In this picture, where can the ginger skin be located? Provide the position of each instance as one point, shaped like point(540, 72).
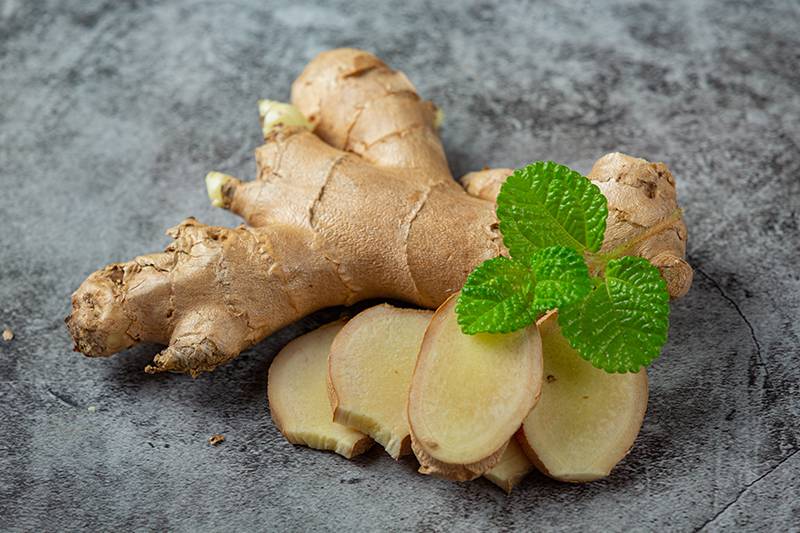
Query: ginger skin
point(363, 207)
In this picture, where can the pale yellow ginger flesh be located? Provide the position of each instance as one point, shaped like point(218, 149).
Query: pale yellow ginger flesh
point(298, 399)
point(586, 419)
point(514, 465)
point(370, 368)
point(469, 395)
point(369, 373)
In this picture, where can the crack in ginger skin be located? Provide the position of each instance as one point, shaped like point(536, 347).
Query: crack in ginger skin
point(389, 221)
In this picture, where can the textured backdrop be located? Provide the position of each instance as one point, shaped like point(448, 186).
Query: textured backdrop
point(112, 112)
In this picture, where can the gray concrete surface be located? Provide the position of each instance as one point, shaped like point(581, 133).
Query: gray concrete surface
point(111, 114)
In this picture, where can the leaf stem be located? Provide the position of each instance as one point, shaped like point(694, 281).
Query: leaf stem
point(598, 262)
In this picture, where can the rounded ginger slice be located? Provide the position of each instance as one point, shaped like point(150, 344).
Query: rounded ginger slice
point(298, 399)
point(586, 419)
point(369, 373)
point(469, 395)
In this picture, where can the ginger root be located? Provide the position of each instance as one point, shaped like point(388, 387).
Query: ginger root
point(644, 216)
point(362, 207)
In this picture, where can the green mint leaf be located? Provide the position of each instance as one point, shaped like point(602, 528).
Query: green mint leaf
point(623, 323)
point(504, 295)
point(546, 204)
point(496, 298)
point(561, 275)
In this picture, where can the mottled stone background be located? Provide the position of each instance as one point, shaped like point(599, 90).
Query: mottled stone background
point(112, 112)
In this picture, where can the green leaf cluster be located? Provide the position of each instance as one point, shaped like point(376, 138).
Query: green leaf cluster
point(552, 219)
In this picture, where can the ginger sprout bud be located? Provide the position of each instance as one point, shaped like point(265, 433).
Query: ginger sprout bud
point(439, 117)
point(280, 114)
point(214, 183)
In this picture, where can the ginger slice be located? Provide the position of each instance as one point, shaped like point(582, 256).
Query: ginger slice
point(298, 400)
point(586, 419)
point(514, 465)
point(369, 373)
point(469, 395)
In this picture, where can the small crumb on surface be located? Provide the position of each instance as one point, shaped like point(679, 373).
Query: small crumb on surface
point(8, 335)
point(216, 439)
point(551, 378)
point(92, 409)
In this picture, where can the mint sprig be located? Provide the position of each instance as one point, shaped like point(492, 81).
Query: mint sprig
point(552, 219)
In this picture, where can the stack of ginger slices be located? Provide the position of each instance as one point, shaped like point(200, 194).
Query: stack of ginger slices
point(464, 405)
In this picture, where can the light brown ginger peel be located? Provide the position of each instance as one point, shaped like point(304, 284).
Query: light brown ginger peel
point(362, 207)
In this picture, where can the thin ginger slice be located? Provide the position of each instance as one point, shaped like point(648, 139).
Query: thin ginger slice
point(298, 399)
point(514, 465)
point(586, 419)
point(469, 395)
point(369, 373)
